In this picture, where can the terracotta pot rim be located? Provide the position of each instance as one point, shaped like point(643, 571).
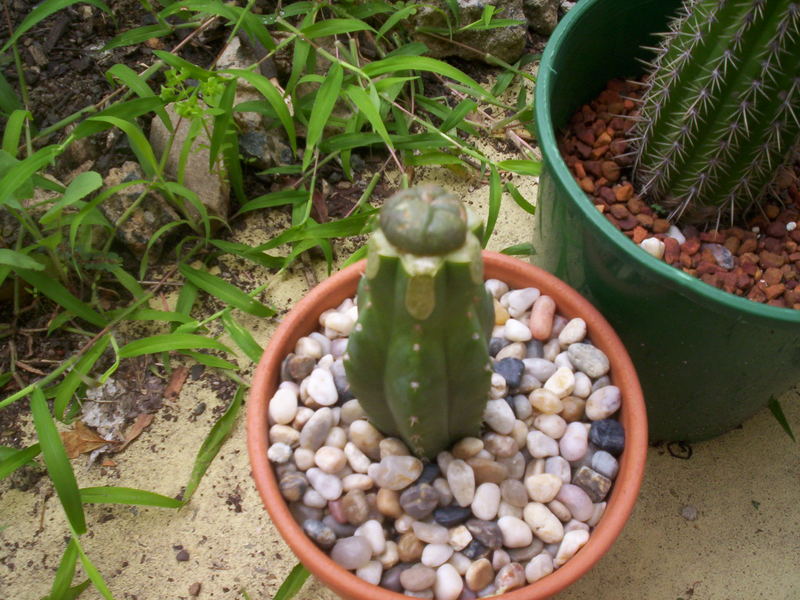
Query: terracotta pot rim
point(303, 319)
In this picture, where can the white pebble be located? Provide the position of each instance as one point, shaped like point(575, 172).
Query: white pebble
point(329, 486)
point(403, 524)
point(283, 406)
point(515, 465)
point(460, 562)
point(583, 385)
point(279, 453)
point(449, 584)
point(316, 430)
point(558, 466)
point(486, 501)
point(517, 331)
point(370, 572)
point(372, 530)
point(605, 464)
point(390, 555)
point(572, 542)
point(515, 350)
point(357, 460)
point(307, 346)
point(434, 555)
point(303, 415)
point(543, 487)
point(551, 349)
point(314, 499)
point(562, 361)
point(539, 566)
point(545, 401)
point(519, 301)
point(540, 368)
point(545, 524)
point(516, 533)
point(597, 513)
point(366, 438)
point(461, 479)
point(654, 247)
point(500, 557)
point(430, 533)
point(522, 407)
point(508, 510)
point(576, 500)
point(284, 434)
point(676, 233)
point(339, 322)
point(575, 441)
point(540, 445)
point(304, 458)
point(330, 459)
point(496, 287)
point(574, 331)
point(459, 537)
point(499, 416)
point(574, 525)
point(553, 425)
point(357, 481)
point(561, 383)
point(321, 388)
point(325, 343)
point(336, 438)
point(603, 403)
point(499, 386)
point(352, 411)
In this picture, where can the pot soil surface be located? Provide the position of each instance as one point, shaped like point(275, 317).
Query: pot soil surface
point(757, 257)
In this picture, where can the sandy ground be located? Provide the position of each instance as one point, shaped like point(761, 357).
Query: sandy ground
point(742, 486)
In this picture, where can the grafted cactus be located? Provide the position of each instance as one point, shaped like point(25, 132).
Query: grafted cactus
point(722, 109)
point(418, 358)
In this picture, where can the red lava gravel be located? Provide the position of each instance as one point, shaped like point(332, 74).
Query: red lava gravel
point(759, 260)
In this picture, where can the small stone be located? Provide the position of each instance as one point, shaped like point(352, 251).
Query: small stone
point(516, 533)
point(574, 331)
point(588, 359)
point(543, 487)
point(479, 575)
point(434, 555)
point(561, 383)
point(314, 499)
point(501, 446)
point(302, 513)
point(330, 459)
point(460, 562)
point(513, 491)
point(498, 388)
point(496, 344)
point(559, 510)
point(517, 331)
point(510, 577)
point(279, 453)
point(467, 447)
point(558, 466)
point(316, 429)
point(722, 255)
point(409, 548)
point(448, 584)
point(388, 503)
point(283, 406)
point(496, 287)
point(519, 301)
point(391, 577)
point(443, 488)
point(351, 412)
point(487, 471)
point(573, 408)
point(372, 531)
point(605, 464)
point(576, 500)
point(475, 550)
point(654, 247)
point(583, 385)
point(574, 443)
point(321, 388)
point(461, 480)
point(546, 401)
point(392, 447)
point(283, 434)
point(396, 472)
point(459, 537)
point(689, 513)
point(608, 435)
point(371, 572)
point(430, 533)
point(337, 438)
point(603, 403)
point(572, 542)
point(308, 346)
point(418, 578)
point(329, 486)
point(539, 566)
point(355, 507)
point(526, 552)
point(322, 535)
point(182, 555)
point(541, 320)
point(366, 438)
point(545, 524)
point(450, 516)
point(486, 532)
point(357, 460)
point(430, 471)
point(539, 368)
point(593, 483)
point(341, 530)
point(511, 369)
point(389, 557)
point(351, 552)
point(515, 465)
point(486, 501)
point(293, 485)
point(540, 445)
point(551, 425)
point(194, 589)
point(339, 322)
point(419, 500)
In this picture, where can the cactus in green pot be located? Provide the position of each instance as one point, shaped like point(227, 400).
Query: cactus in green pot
point(721, 111)
point(418, 359)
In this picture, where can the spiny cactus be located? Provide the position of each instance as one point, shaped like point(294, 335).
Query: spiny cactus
point(418, 358)
point(721, 111)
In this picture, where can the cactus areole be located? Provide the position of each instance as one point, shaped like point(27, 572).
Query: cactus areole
point(721, 111)
point(418, 359)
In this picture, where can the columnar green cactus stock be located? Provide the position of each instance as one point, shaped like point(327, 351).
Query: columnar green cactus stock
point(417, 359)
point(721, 111)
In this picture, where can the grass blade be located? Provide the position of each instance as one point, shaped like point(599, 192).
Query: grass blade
point(71, 593)
point(61, 295)
point(777, 412)
point(57, 463)
point(226, 292)
point(44, 10)
point(215, 362)
point(222, 122)
point(9, 102)
point(293, 583)
point(91, 571)
point(11, 461)
point(327, 95)
point(65, 572)
point(80, 187)
point(19, 260)
point(124, 495)
point(169, 341)
point(520, 199)
point(13, 130)
point(495, 196)
point(423, 63)
point(137, 36)
point(364, 103)
point(524, 249)
point(330, 27)
point(21, 173)
point(242, 337)
point(521, 166)
point(138, 141)
point(213, 442)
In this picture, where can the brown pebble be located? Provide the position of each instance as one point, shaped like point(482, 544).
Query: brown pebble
point(620, 211)
point(772, 275)
point(672, 250)
point(610, 170)
point(182, 555)
point(623, 192)
point(635, 205)
point(645, 220)
point(355, 507)
point(409, 548)
point(194, 589)
point(770, 259)
point(660, 226)
point(541, 320)
point(479, 574)
point(691, 246)
point(487, 471)
point(639, 234)
point(772, 211)
point(748, 245)
point(388, 502)
point(573, 408)
point(773, 291)
point(587, 185)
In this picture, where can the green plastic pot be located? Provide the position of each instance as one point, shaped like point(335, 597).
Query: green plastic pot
point(707, 360)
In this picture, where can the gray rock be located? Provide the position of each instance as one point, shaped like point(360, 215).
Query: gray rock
point(589, 359)
point(419, 501)
point(293, 485)
point(593, 483)
point(486, 532)
point(352, 553)
point(542, 15)
point(505, 43)
point(322, 535)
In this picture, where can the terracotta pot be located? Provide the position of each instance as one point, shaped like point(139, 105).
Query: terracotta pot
point(303, 319)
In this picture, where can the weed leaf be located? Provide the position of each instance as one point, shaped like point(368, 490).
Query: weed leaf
point(327, 95)
point(124, 495)
point(169, 341)
point(44, 10)
point(777, 412)
point(293, 583)
point(228, 293)
point(13, 460)
point(242, 337)
point(65, 572)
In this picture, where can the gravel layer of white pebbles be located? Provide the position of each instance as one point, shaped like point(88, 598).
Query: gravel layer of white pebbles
point(492, 514)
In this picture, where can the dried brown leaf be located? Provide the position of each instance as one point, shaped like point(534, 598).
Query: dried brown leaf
point(140, 424)
point(81, 439)
point(173, 389)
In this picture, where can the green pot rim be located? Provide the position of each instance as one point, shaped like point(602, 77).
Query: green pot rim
point(688, 286)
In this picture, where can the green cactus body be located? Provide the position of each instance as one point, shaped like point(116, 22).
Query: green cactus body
point(722, 108)
point(418, 358)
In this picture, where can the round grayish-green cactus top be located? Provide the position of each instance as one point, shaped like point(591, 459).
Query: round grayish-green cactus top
point(425, 220)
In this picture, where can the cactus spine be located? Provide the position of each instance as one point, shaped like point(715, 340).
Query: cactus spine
point(721, 111)
point(418, 358)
